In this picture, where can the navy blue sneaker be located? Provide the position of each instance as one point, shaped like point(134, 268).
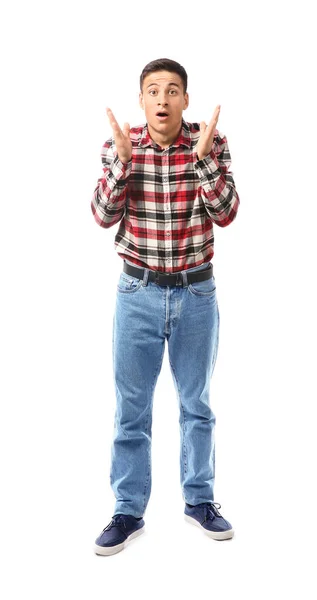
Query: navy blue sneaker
point(207, 516)
point(122, 528)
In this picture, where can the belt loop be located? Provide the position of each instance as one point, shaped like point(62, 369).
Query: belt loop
point(146, 276)
point(179, 280)
point(184, 275)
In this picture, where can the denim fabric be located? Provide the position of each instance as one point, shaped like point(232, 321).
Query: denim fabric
point(146, 315)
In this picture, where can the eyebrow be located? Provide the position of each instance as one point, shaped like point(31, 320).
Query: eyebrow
point(176, 84)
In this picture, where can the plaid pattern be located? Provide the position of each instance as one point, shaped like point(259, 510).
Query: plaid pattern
point(166, 199)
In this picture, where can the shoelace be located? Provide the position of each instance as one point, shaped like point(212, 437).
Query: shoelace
point(116, 521)
point(210, 510)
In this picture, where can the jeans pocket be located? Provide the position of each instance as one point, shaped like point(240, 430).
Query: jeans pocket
point(128, 284)
point(203, 288)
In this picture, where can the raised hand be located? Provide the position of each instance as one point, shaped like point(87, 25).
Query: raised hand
point(204, 144)
point(121, 138)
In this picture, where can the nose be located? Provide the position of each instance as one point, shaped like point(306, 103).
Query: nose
point(162, 100)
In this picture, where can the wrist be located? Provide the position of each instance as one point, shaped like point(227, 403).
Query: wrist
point(124, 159)
point(199, 153)
point(199, 156)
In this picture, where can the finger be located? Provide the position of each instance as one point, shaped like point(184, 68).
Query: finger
point(212, 123)
point(113, 122)
point(126, 129)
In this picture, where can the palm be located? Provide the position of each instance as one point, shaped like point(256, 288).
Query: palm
point(204, 144)
point(121, 138)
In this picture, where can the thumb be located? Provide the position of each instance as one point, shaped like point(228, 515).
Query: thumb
point(126, 129)
point(203, 127)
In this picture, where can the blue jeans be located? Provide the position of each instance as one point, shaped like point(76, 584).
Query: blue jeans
point(146, 315)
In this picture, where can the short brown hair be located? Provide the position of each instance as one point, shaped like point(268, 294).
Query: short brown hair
point(164, 64)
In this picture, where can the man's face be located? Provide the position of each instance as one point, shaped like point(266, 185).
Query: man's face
point(163, 94)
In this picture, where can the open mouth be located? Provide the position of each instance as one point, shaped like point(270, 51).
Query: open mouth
point(162, 115)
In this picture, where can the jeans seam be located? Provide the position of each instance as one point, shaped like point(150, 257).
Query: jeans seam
point(215, 354)
point(184, 419)
point(146, 426)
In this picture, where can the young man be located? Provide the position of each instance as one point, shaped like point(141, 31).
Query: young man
point(167, 182)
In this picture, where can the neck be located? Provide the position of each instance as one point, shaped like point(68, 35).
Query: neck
point(164, 139)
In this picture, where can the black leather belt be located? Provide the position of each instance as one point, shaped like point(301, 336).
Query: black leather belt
point(169, 278)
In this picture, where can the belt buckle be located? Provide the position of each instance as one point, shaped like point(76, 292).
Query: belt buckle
point(179, 278)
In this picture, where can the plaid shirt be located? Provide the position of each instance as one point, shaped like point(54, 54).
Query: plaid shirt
point(166, 199)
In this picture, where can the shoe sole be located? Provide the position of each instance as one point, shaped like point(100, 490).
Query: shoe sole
point(108, 550)
point(215, 535)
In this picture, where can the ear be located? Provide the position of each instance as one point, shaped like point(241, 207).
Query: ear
point(141, 100)
point(186, 101)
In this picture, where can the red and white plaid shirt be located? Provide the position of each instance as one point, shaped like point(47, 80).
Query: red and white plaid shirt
point(166, 199)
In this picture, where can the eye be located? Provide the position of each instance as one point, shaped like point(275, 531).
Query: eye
point(173, 92)
point(152, 92)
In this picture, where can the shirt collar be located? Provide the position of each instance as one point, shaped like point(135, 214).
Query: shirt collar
point(183, 138)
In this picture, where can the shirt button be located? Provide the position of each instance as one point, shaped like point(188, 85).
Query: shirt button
point(164, 179)
point(168, 233)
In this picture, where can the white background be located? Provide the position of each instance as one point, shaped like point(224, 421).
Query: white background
point(62, 64)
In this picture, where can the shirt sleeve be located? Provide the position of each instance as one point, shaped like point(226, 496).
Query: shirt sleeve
point(217, 185)
point(109, 197)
